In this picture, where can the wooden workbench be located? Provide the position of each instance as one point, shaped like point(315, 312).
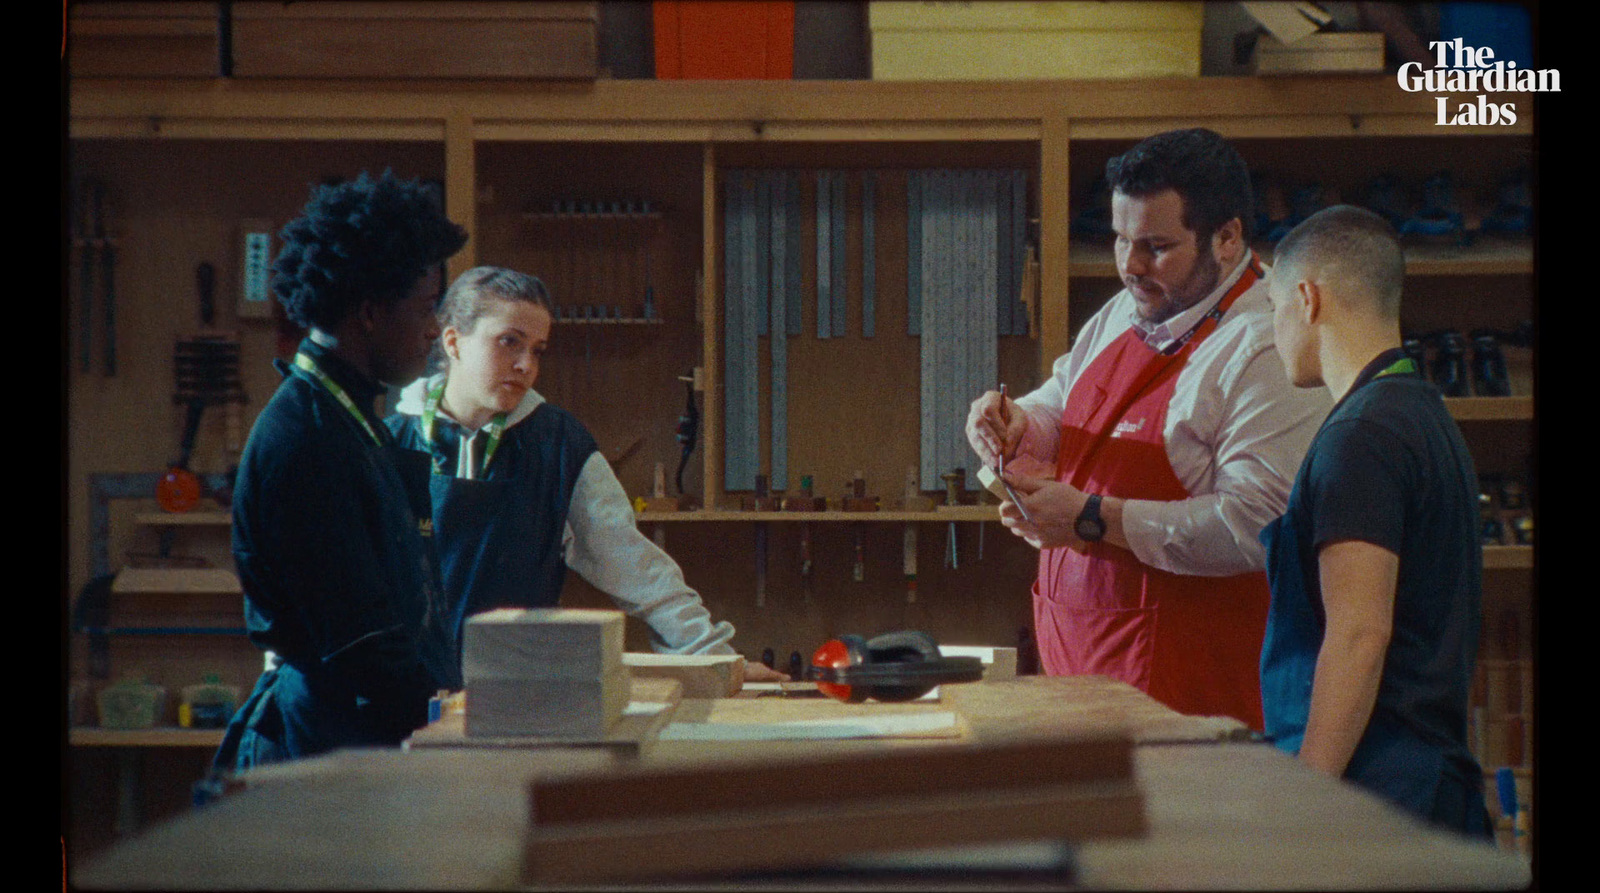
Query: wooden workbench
point(1222, 812)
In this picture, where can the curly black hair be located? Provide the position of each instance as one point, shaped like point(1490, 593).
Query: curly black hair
point(1203, 168)
point(367, 238)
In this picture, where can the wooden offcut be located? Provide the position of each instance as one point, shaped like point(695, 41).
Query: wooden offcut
point(542, 643)
point(675, 819)
point(701, 675)
point(576, 708)
point(544, 671)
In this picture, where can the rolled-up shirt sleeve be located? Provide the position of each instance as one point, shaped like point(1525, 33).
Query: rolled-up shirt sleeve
point(1238, 452)
point(604, 546)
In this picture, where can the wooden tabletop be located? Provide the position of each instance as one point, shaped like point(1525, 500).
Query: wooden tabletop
point(1222, 814)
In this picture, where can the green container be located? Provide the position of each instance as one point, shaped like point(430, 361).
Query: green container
point(208, 705)
point(132, 704)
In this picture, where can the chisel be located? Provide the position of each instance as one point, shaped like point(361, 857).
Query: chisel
point(108, 264)
point(86, 287)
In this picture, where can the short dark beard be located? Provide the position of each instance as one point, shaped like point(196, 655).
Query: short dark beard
point(1202, 281)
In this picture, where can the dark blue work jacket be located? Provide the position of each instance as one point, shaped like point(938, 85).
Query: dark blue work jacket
point(337, 581)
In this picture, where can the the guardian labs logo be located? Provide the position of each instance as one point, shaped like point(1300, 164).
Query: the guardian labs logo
point(1464, 69)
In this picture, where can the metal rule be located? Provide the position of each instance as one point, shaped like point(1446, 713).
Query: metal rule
point(838, 255)
point(959, 247)
point(1018, 221)
point(763, 247)
point(741, 462)
point(1004, 293)
point(869, 273)
point(914, 253)
point(824, 250)
point(934, 234)
point(777, 237)
point(792, 276)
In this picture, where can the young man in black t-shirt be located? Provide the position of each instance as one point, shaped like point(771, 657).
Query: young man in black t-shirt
point(1375, 567)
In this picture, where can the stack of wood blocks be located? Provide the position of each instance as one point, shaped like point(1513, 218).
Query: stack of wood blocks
point(550, 672)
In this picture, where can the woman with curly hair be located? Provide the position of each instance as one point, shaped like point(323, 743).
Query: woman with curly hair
point(337, 582)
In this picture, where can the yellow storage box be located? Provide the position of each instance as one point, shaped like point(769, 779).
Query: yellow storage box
point(977, 41)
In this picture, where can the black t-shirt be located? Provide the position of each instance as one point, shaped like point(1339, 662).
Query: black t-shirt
point(1389, 467)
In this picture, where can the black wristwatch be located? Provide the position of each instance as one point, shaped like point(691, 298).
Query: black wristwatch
point(1090, 527)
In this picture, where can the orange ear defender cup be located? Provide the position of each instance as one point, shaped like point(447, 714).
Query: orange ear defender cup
point(839, 654)
point(178, 490)
point(899, 666)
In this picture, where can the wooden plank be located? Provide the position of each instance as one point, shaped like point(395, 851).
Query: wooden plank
point(1485, 257)
point(662, 820)
point(1471, 409)
point(801, 704)
point(1507, 557)
point(1139, 104)
point(351, 47)
point(701, 675)
point(787, 839)
point(651, 705)
point(415, 10)
point(176, 580)
point(1036, 705)
point(184, 519)
point(164, 736)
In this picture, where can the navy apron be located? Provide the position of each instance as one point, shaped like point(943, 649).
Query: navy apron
point(299, 709)
point(491, 547)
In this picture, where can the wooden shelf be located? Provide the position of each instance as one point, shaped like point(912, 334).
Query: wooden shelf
point(186, 630)
point(963, 513)
point(624, 321)
point(1485, 257)
point(176, 580)
point(219, 518)
point(1504, 557)
point(161, 736)
point(565, 216)
point(1490, 409)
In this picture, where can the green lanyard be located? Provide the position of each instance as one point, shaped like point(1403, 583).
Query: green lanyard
point(332, 387)
point(430, 410)
point(1399, 367)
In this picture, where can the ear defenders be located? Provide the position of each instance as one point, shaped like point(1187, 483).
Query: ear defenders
point(899, 666)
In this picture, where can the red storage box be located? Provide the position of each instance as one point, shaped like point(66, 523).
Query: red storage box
point(724, 39)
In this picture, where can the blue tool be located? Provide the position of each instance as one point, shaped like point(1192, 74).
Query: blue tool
point(1506, 783)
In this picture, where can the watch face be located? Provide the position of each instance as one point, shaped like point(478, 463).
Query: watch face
point(1090, 529)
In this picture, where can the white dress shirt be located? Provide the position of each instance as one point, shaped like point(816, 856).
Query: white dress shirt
point(1236, 430)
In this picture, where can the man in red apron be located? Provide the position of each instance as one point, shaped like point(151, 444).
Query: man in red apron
point(1161, 445)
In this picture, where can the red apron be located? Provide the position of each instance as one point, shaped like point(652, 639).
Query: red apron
point(1191, 642)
